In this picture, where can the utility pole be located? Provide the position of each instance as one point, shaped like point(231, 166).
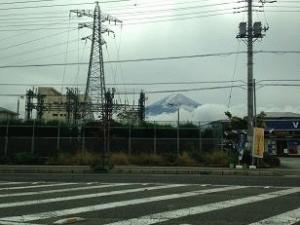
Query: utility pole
point(251, 32)
point(250, 77)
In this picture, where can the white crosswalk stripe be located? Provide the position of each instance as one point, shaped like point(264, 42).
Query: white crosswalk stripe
point(115, 196)
point(10, 183)
point(287, 218)
point(60, 190)
point(35, 186)
point(77, 197)
point(65, 212)
point(165, 216)
point(16, 223)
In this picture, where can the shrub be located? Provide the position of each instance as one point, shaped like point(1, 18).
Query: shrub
point(79, 158)
point(26, 158)
point(217, 158)
point(270, 160)
point(185, 160)
point(119, 159)
point(147, 160)
point(5, 160)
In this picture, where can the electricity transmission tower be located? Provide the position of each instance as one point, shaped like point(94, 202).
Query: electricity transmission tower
point(95, 85)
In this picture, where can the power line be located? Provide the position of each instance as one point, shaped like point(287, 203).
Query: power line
point(34, 40)
point(58, 5)
point(46, 6)
point(34, 29)
point(128, 84)
point(174, 15)
point(172, 10)
point(128, 60)
point(221, 54)
point(37, 49)
point(181, 90)
point(179, 18)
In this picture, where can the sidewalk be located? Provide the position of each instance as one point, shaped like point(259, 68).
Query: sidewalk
point(151, 170)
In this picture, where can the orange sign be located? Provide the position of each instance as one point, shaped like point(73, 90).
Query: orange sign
point(258, 142)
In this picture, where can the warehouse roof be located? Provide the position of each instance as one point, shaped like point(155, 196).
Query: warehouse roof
point(282, 115)
point(4, 110)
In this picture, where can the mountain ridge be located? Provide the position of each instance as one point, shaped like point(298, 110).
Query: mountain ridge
point(170, 104)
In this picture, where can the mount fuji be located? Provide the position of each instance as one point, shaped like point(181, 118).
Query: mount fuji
point(170, 104)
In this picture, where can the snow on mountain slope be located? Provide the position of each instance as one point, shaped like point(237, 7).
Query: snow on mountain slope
point(170, 104)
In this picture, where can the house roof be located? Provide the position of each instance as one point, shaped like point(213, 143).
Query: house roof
point(4, 110)
point(49, 91)
point(282, 115)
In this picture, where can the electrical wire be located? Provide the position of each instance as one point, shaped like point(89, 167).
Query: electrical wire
point(176, 19)
point(58, 5)
point(36, 49)
point(221, 54)
point(171, 10)
point(34, 29)
point(34, 40)
point(131, 84)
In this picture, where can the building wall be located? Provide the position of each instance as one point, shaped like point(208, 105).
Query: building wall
point(54, 97)
point(283, 136)
point(7, 116)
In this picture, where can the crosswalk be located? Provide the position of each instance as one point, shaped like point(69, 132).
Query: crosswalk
point(40, 203)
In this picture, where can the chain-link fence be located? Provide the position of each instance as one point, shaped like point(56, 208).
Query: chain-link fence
point(47, 141)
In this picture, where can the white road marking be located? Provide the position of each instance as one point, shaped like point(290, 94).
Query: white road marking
point(287, 218)
point(85, 196)
point(60, 190)
point(175, 214)
point(36, 186)
point(69, 220)
point(16, 223)
point(9, 183)
point(91, 208)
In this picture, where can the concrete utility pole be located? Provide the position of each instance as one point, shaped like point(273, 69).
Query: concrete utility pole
point(251, 32)
point(250, 76)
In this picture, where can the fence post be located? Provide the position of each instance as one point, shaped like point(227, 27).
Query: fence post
point(58, 138)
point(6, 139)
point(33, 138)
point(200, 138)
point(83, 139)
point(178, 139)
point(154, 139)
point(129, 140)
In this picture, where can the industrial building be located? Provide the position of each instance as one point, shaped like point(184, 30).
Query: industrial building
point(52, 97)
point(6, 114)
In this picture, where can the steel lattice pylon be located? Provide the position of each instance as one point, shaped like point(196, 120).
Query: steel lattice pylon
point(95, 85)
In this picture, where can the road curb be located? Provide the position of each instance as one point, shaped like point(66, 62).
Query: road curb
point(149, 170)
point(203, 171)
point(44, 169)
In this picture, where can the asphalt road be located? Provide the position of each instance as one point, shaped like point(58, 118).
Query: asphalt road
point(152, 199)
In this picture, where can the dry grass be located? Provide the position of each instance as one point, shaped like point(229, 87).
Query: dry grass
point(119, 159)
point(147, 160)
point(217, 158)
point(79, 158)
point(185, 160)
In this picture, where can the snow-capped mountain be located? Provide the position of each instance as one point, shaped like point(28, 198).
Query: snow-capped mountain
point(170, 104)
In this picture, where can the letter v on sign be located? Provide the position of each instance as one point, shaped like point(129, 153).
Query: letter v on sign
point(295, 125)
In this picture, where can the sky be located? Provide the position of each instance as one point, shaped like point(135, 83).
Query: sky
point(159, 28)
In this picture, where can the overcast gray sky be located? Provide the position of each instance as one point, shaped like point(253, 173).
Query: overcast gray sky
point(142, 36)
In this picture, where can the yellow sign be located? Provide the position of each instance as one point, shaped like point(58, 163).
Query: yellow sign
point(258, 142)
